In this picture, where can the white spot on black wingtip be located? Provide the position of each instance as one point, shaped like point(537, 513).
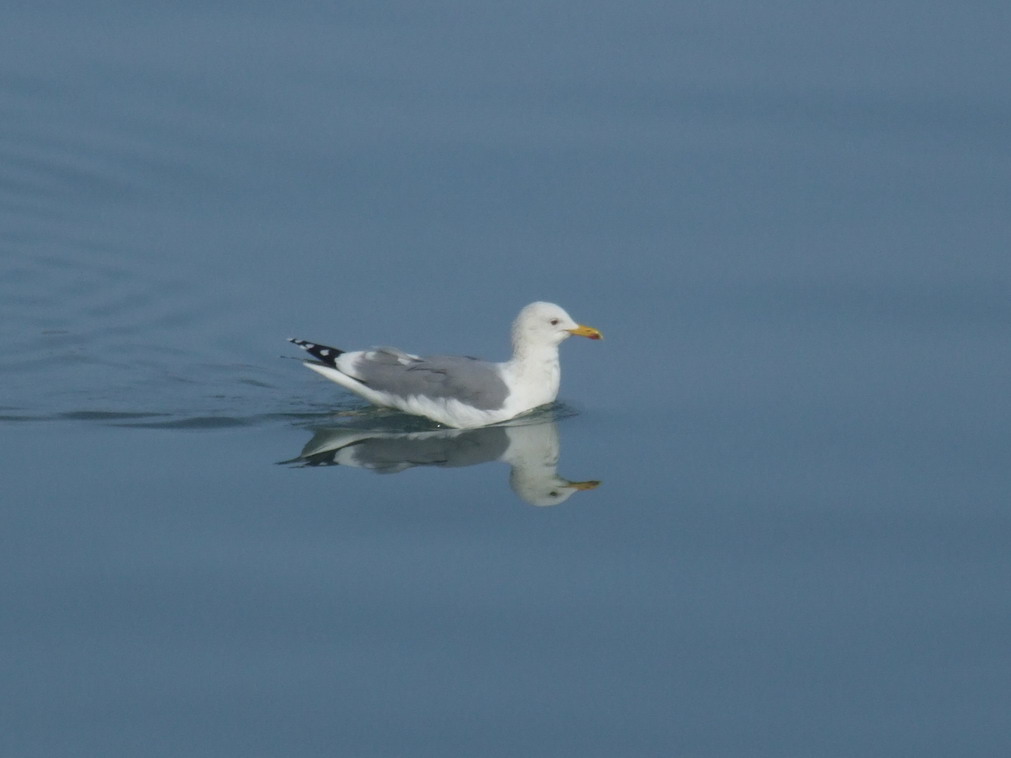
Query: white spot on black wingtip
point(326, 354)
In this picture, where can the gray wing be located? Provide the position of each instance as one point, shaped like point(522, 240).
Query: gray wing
point(469, 380)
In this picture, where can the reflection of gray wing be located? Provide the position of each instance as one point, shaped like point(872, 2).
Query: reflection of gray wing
point(389, 453)
point(471, 381)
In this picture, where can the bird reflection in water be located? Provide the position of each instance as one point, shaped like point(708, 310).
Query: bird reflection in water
point(531, 449)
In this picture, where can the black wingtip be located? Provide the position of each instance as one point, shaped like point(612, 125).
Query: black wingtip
point(324, 353)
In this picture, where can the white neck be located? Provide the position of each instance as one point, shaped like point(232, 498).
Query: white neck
point(537, 369)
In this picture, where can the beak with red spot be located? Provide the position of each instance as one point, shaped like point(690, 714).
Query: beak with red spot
point(587, 331)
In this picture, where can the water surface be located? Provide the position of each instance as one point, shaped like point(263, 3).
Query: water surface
point(790, 222)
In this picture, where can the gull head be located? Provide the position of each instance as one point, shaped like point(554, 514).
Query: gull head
point(548, 324)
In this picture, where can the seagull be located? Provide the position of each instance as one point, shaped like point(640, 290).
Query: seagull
point(459, 391)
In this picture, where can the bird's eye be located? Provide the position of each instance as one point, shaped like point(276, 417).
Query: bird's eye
point(554, 322)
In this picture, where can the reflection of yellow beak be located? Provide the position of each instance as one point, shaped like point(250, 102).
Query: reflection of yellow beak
point(586, 331)
point(592, 484)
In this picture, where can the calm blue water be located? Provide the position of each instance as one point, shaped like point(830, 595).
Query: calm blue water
point(792, 223)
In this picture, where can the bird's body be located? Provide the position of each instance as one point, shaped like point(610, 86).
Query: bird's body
point(459, 391)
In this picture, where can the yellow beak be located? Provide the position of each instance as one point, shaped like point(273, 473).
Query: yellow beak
point(587, 331)
point(592, 484)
